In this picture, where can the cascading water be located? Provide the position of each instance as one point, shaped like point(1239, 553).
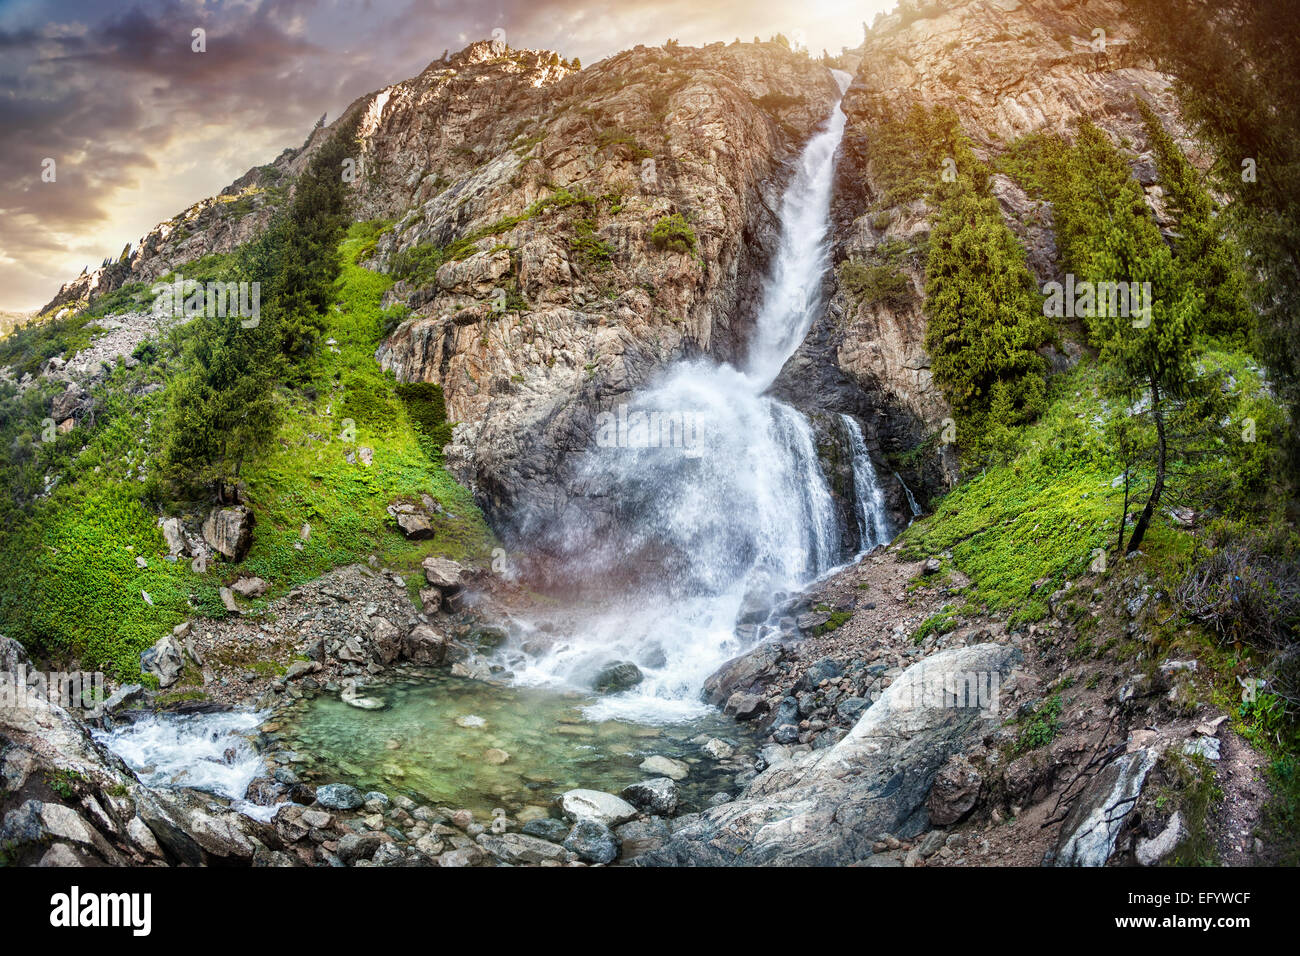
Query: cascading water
point(911, 498)
point(873, 514)
point(208, 752)
point(717, 490)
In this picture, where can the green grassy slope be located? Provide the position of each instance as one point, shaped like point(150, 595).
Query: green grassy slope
point(73, 589)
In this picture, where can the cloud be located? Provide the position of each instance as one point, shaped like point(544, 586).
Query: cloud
point(140, 126)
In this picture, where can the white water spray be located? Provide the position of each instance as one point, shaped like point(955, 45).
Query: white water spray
point(209, 752)
point(736, 519)
point(873, 514)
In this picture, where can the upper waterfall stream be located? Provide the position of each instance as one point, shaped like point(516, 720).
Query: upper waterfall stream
point(720, 497)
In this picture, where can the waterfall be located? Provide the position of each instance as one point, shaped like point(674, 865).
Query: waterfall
point(911, 498)
point(718, 495)
point(873, 515)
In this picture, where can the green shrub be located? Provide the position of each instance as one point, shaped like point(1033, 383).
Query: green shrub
point(1042, 726)
point(593, 251)
point(428, 411)
point(941, 622)
point(618, 137)
point(869, 283)
point(674, 233)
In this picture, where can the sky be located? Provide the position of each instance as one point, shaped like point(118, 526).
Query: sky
point(111, 122)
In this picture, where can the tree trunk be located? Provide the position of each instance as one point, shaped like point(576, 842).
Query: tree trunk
point(1140, 530)
point(1123, 515)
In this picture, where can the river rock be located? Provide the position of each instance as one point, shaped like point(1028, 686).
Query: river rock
point(300, 669)
point(388, 854)
point(718, 749)
point(827, 807)
point(444, 574)
point(316, 819)
point(787, 712)
point(487, 637)
point(386, 639)
point(358, 846)
point(264, 792)
point(665, 767)
point(519, 848)
point(824, 669)
point(592, 841)
point(641, 836)
point(547, 828)
point(250, 587)
point(120, 698)
point(424, 645)
point(596, 805)
point(658, 796)
point(617, 676)
point(229, 531)
point(351, 696)
point(165, 660)
point(743, 673)
point(339, 796)
point(746, 706)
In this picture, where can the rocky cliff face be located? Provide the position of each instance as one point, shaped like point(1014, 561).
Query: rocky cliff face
point(1008, 69)
point(565, 301)
point(534, 192)
point(214, 225)
point(541, 186)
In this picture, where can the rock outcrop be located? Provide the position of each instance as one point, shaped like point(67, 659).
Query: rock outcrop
point(229, 531)
point(829, 806)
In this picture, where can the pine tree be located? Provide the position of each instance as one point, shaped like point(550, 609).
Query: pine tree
point(985, 321)
point(224, 406)
point(1236, 65)
point(1113, 238)
point(1211, 261)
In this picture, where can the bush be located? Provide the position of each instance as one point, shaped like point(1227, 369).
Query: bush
point(985, 325)
point(593, 251)
point(870, 282)
point(1041, 728)
point(1247, 590)
point(619, 137)
point(673, 233)
point(907, 155)
point(428, 412)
